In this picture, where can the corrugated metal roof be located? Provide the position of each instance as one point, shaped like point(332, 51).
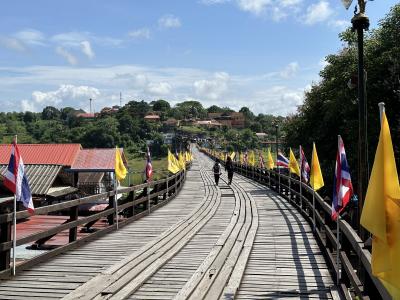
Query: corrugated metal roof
point(59, 191)
point(39, 154)
point(96, 160)
point(40, 177)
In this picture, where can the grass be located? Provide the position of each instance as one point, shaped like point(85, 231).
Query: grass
point(191, 129)
point(136, 168)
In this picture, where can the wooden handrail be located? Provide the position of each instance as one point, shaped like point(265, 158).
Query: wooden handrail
point(172, 184)
point(356, 272)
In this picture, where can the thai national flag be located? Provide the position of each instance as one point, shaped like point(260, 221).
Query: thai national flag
point(149, 167)
point(282, 161)
point(16, 181)
point(304, 166)
point(342, 186)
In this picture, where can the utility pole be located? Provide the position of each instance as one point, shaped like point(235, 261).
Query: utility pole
point(120, 99)
point(90, 101)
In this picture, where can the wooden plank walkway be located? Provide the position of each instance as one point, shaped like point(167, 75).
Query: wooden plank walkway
point(241, 241)
point(66, 272)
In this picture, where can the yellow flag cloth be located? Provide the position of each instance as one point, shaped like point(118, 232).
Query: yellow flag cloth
point(293, 164)
point(120, 170)
point(316, 180)
point(172, 163)
point(232, 155)
point(270, 160)
point(182, 163)
point(252, 159)
point(381, 213)
point(187, 156)
point(241, 159)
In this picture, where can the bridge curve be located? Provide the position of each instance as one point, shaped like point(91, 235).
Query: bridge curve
point(242, 241)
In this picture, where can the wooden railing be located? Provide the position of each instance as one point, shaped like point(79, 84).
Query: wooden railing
point(136, 202)
point(355, 258)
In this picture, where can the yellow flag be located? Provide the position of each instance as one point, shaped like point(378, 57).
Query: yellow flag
point(181, 160)
point(232, 155)
point(270, 160)
point(241, 158)
point(293, 164)
point(120, 170)
point(252, 159)
point(381, 213)
point(172, 163)
point(316, 180)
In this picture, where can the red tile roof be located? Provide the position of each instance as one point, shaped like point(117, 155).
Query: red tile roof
point(34, 154)
point(96, 160)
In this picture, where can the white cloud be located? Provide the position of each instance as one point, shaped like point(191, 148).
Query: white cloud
point(12, 44)
point(87, 49)
point(74, 39)
point(212, 2)
point(27, 105)
point(340, 24)
point(256, 7)
point(140, 80)
point(289, 3)
point(70, 39)
point(31, 37)
point(169, 21)
point(214, 88)
point(323, 63)
point(141, 33)
point(159, 88)
point(65, 95)
point(318, 12)
point(263, 93)
point(290, 70)
point(280, 100)
point(72, 60)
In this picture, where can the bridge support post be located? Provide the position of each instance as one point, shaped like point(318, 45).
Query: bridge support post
point(73, 216)
point(111, 202)
point(5, 236)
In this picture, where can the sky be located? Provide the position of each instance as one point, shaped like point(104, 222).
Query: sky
point(262, 54)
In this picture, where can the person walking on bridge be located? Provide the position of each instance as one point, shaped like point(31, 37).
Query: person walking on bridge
point(217, 171)
point(229, 168)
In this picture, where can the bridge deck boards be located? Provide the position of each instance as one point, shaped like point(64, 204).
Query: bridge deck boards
point(245, 228)
point(171, 278)
point(285, 260)
point(70, 267)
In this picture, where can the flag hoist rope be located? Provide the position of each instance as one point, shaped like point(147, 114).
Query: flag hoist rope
point(14, 226)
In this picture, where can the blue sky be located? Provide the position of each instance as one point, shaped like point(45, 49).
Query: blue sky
point(257, 53)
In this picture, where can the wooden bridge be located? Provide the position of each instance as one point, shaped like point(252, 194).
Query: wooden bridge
point(185, 238)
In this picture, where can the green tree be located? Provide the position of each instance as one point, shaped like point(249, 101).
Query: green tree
point(331, 108)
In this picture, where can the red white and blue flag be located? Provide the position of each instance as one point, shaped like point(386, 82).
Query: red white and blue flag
point(149, 166)
point(343, 188)
point(16, 181)
point(282, 160)
point(304, 167)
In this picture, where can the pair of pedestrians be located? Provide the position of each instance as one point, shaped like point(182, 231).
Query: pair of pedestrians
point(228, 168)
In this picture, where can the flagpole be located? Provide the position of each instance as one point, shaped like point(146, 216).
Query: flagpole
point(14, 226)
point(115, 198)
point(301, 176)
point(313, 205)
point(337, 251)
point(381, 110)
